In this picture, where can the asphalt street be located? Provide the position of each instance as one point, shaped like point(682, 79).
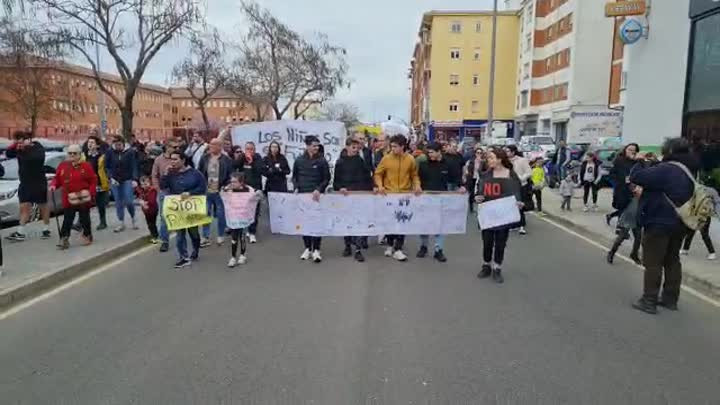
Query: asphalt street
point(280, 331)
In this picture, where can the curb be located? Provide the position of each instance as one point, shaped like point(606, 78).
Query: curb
point(33, 288)
point(701, 285)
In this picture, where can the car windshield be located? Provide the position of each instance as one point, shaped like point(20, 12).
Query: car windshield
point(11, 169)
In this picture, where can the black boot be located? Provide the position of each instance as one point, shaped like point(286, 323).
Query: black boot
point(497, 275)
point(611, 256)
point(636, 258)
point(422, 252)
point(347, 252)
point(485, 272)
point(667, 304)
point(359, 256)
point(646, 306)
point(440, 256)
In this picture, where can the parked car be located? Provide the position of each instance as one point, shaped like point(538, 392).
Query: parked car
point(532, 152)
point(545, 142)
point(9, 183)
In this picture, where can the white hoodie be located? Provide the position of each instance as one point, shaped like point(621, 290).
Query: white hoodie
point(522, 168)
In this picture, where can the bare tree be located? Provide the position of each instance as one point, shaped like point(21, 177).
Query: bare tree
point(27, 61)
point(121, 27)
point(248, 90)
point(278, 65)
point(347, 113)
point(202, 72)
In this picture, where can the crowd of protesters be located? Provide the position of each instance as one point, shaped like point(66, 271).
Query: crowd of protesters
point(647, 193)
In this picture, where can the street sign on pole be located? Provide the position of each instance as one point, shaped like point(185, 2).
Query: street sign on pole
point(625, 8)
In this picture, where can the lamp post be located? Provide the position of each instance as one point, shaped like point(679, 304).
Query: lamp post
point(491, 87)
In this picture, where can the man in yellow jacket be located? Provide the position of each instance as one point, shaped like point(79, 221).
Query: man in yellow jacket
point(397, 173)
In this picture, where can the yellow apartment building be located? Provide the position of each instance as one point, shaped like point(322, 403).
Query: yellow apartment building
point(450, 73)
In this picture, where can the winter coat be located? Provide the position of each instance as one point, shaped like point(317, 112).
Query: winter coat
point(187, 181)
point(660, 183)
point(493, 188)
point(622, 194)
point(276, 170)
point(522, 168)
point(583, 168)
point(455, 163)
point(225, 168)
point(73, 179)
point(436, 175)
point(310, 174)
point(352, 173)
point(253, 170)
point(149, 195)
point(121, 166)
point(97, 162)
point(567, 188)
point(397, 173)
point(538, 178)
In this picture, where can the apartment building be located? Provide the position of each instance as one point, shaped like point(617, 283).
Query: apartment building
point(563, 73)
point(74, 104)
point(450, 73)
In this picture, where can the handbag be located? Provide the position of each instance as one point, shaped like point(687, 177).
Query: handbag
point(79, 198)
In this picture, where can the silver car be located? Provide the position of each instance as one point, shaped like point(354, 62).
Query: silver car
point(9, 183)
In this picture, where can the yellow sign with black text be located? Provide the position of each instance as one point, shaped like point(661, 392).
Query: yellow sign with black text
point(183, 213)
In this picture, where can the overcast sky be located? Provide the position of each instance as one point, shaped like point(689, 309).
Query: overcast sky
point(379, 36)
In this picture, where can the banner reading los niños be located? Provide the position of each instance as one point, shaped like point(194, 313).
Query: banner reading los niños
point(291, 136)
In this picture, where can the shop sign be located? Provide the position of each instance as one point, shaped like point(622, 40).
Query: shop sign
point(625, 8)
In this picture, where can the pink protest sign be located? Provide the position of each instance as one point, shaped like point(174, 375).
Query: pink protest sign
point(239, 209)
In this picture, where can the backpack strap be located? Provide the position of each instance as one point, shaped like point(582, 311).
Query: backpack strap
point(684, 169)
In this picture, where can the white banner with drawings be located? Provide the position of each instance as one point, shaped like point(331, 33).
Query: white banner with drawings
point(368, 214)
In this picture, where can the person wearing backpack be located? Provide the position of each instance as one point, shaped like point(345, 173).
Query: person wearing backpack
point(665, 190)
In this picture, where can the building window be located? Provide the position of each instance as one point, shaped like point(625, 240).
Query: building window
point(476, 54)
point(454, 106)
point(478, 27)
point(456, 27)
point(524, 98)
point(475, 106)
point(454, 80)
point(476, 80)
point(455, 53)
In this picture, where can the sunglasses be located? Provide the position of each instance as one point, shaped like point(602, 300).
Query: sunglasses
point(73, 153)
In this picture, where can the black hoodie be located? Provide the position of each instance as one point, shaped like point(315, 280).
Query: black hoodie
point(310, 174)
point(276, 170)
point(352, 173)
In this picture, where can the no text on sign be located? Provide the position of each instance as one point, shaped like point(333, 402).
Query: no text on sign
point(625, 8)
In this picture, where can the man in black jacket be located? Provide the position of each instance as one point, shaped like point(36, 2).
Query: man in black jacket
point(455, 164)
point(352, 174)
point(662, 188)
point(436, 175)
point(33, 187)
point(311, 174)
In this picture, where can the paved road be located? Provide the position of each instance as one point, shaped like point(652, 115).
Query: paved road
point(560, 330)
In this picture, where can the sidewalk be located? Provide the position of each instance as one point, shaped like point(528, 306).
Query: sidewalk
point(35, 265)
point(698, 272)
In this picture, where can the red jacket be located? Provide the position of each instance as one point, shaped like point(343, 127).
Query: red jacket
point(73, 179)
point(149, 195)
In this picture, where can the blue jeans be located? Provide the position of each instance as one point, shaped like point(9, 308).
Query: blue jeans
point(164, 233)
point(439, 241)
point(215, 209)
point(181, 242)
point(124, 198)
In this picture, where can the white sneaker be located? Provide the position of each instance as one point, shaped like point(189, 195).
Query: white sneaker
point(389, 252)
point(305, 255)
point(595, 207)
point(316, 256)
point(399, 256)
point(684, 252)
point(232, 262)
point(252, 238)
point(242, 260)
point(712, 256)
point(220, 240)
point(522, 231)
point(586, 208)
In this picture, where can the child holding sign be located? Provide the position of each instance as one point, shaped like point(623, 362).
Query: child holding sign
point(240, 215)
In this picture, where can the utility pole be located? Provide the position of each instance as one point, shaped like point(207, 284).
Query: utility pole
point(491, 87)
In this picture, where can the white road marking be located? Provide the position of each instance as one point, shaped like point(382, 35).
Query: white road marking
point(685, 288)
point(14, 310)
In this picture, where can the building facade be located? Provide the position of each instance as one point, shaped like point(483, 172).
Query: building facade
point(563, 74)
point(450, 73)
point(74, 103)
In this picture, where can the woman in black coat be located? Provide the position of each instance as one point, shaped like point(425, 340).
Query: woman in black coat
point(622, 165)
point(275, 170)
